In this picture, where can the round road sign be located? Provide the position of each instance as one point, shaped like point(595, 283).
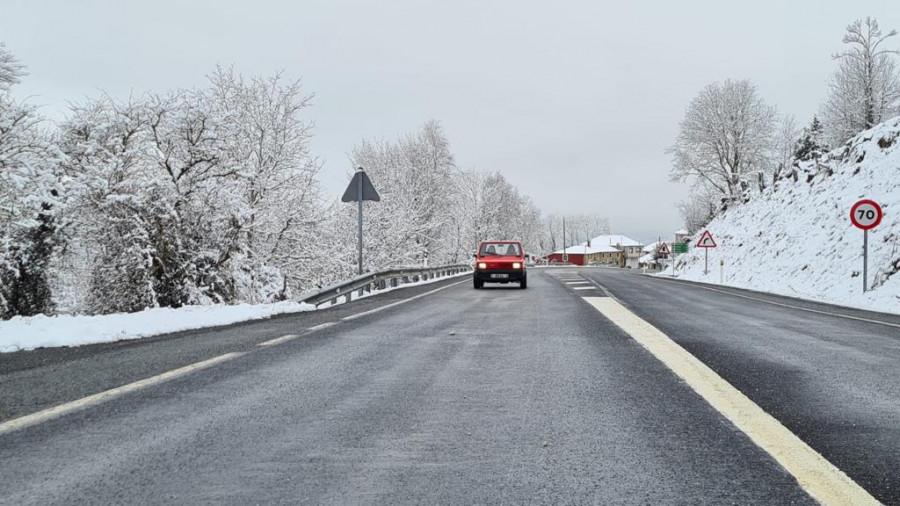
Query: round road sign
point(866, 214)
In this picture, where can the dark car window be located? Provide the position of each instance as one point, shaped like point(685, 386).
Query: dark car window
point(500, 249)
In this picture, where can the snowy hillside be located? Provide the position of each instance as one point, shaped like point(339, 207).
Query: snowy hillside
point(797, 239)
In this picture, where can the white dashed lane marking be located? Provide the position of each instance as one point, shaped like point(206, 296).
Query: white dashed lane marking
point(106, 395)
point(91, 400)
point(404, 301)
point(322, 326)
point(279, 340)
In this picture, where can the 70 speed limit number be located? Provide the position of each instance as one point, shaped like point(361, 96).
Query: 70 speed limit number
point(866, 214)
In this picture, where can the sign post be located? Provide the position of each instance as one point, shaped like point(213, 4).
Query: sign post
point(678, 247)
point(706, 242)
point(359, 189)
point(663, 251)
point(866, 215)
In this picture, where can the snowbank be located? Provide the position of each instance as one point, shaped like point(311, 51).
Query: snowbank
point(797, 239)
point(26, 333)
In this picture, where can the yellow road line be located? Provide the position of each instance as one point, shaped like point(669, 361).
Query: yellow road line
point(106, 395)
point(818, 477)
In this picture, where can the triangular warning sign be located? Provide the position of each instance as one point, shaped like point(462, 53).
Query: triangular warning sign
point(663, 249)
point(360, 188)
point(706, 240)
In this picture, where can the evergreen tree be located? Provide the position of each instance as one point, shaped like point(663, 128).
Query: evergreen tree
point(29, 201)
point(26, 291)
point(811, 143)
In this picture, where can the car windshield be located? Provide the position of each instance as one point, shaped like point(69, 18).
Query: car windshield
point(500, 249)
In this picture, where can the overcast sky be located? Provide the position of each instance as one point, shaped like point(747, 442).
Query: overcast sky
point(575, 102)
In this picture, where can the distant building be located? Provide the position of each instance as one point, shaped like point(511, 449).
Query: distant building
point(631, 249)
point(586, 255)
point(611, 250)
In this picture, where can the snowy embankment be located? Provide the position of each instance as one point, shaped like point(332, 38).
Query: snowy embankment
point(28, 333)
point(797, 239)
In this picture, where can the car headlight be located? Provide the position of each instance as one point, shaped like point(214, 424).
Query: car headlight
point(482, 265)
point(517, 265)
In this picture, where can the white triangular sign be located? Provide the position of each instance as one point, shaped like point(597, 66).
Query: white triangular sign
point(663, 249)
point(706, 240)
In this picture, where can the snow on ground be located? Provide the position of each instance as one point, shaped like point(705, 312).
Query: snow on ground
point(27, 333)
point(798, 240)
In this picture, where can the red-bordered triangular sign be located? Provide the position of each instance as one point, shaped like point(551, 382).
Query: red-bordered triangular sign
point(663, 249)
point(706, 240)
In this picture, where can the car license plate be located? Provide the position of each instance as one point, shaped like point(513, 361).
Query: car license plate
point(499, 276)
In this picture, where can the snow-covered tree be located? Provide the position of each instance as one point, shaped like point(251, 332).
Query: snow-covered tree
point(700, 206)
point(429, 210)
point(414, 176)
point(579, 228)
point(276, 209)
point(865, 88)
point(211, 195)
point(30, 193)
point(196, 196)
point(725, 139)
point(11, 69)
point(785, 140)
point(113, 203)
point(811, 143)
point(465, 228)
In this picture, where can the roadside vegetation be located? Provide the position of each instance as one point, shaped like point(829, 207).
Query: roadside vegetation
point(732, 146)
point(212, 196)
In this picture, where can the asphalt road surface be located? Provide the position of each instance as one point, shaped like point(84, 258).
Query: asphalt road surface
point(460, 396)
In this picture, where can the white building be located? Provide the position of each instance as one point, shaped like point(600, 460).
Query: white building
point(631, 249)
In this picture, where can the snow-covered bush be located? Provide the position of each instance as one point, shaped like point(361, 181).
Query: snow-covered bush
point(211, 196)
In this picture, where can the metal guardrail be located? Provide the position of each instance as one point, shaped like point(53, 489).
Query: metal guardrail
point(380, 280)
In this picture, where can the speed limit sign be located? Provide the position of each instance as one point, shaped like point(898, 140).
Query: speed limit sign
point(866, 214)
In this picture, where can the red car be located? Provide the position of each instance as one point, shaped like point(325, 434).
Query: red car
point(500, 262)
